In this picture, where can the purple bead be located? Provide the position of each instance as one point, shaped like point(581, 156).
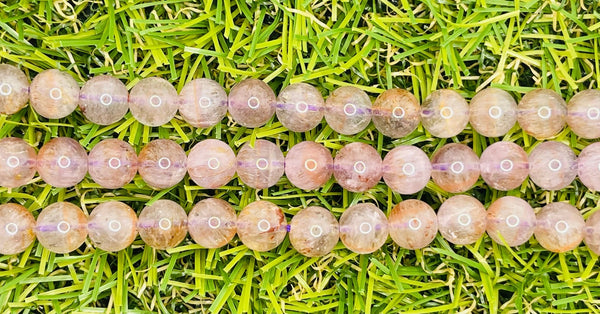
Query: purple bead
point(591, 234)
point(406, 169)
point(202, 103)
point(552, 165)
point(261, 166)
point(62, 162)
point(357, 167)
point(455, 168)
point(504, 166)
point(112, 163)
point(17, 162)
point(588, 166)
point(510, 220)
point(251, 103)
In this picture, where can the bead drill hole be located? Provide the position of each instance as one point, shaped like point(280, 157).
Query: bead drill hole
point(301, 107)
point(457, 167)
point(464, 219)
point(506, 165)
point(114, 163)
point(214, 163)
point(561, 226)
point(253, 102)
point(262, 164)
point(106, 99)
point(446, 113)
point(5, 89)
point(11, 228)
point(64, 162)
point(214, 222)
point(365, 228)
point(350, 109)
point(164, 163)
point(13, 161)
point(414, 224)
point(204, 102)
point(495, 112)
point(408, 169)
point(554, 165)
point(399, 115)
point(165, 224)
point(593, 113)
point(55, 93)
point(360, 167)
point(316, 231)
point(155, 101)
point(544, 112)
point(264, 225)
point(114, 226)
point(310, 165)
point(63, 227)
point(512, 221)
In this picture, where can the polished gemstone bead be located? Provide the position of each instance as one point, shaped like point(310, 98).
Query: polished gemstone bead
point(445, 113)
point(14, 89)
point(211, 163)
point(54, 94)
point(251, 103)
point(559, 227)
point(493, 112)
point(583, 114)
point(396, 112)
point(104, 100)
point(588, 166)
point(212, 223)
point(17, 162)
point(61, 227)
point(163, 224)
point(153, 101)
point(112, 163)
point(504, 166)
point(314, 231)
point(357, 167)
point(510, 221)
point(541, 113)
point(16, 229)
point(552, 165)
point(300, 107)
point(162, 163)
point(202, 103)
point(348, 110)
point(308, 165)
point(62, 162)
point(261, 226)
point(462, 219)
point(406, 169)
point(591, 233)
point(413, 224)
point(455, 168)
point(112, 226)
point(261, 166)
point(363, 228)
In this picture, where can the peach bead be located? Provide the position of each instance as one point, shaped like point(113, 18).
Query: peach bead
point(504, 166)
point(104, 100)
point(552, 165)
point(261, 166)
point(62, 162)
point(588, 166)
point(510, 221)
point(455, 168)
point(212, 223)
point(14, 89)
point(211, 163)
point(153, 101)
point(202, 103)
point(541, 113)
point(54, 94)
point(348, 110)
point(493, 112)
point(17, 162)
point(162, 163)
point(112, 163)
point(357, 167)
point(583, 114)
point(363, 228)
point(314, 231)
point(559, 227)
point(591, 233)
point(406, 169)
point(396, 113)
point(61, 227)
point(112, 226)
point(163, 224)
point(261, 226)
point(413, 224)
point(251, 103)
point(16, 229)
point(308, 165)
point(300, 107)
point(445, 113)
point(462, 219)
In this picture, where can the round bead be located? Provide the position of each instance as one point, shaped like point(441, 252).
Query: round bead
point(153, 101)
point(348, 110)
point(413, 224)
point(504, 166)
point(104, 100)
point(510, 220)
point(363, 228)
point(211, 163)
point(559, 227)
point(445, 113)
point(541, 113)
point(314, 231)
point(112, 163)
point(62, 162)
point(300, 107)
point(17, 162)
point(261, 226)
point(455, 168)
point(14, 89)
point(462, 219)
point(583, 114)
point(396, 112)
point(16, 229)
point(162, 164)
point(261, 166)
point(552, 165)
point(202, 103)
point(493, 112)
point(61, 227)
point(212, 223)
point(588, 166)
point(308, 165)
point(112, 226)
point(251, 103)
point(591, 234)
point(163, 224)
point(406, 169)
point(357, 167)
point(54, 94)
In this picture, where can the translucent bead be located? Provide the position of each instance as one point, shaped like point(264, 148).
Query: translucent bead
point(462, 219)
point(363, 228)
point(261, 226)
point(112, 163)
point(16, 229)
point(211, 164)
point(163, 224)
point(104, 100)
point(251, 103)
point(153, 101)
point(541, 113)
point(357, 167)
point(14, 89)
point(493, 112)
point(591, 234)
point(445, 113)
point(203, 103)
point(583, 114)
point(588, 166)
point(300, 107)
point(559, 227)
point(62, 162)
point(162, 164)
point(348, 110)
point(396, 113)
point(308, 165)
point(455, 168)
point(112, 226)
point(510, 221)
point(552, 165)
point(261, 166)
point(314, 231)
point(413, 224)
point(17, 162)
point(54, 94)
point(504, 166)
point(61, 227)
point(212, 223)
point(406, 169)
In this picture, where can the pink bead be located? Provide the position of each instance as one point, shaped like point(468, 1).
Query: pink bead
point(300, 107)
point(203, 103)
point(314, 231)
point(348, 110)
point(112, 226)
point(14, 89)
point(16, 229)
point(212, 223)
point(462, 219)
point(308, 165)
point(583, 114)
point(552, 165)
point(261, 226)
point(396, 113)
point(455, 168)
point(162, 164)
point(163, 224)
point(588, 166)
point(211, 164)
point(261, 166)
point(413, 224)
point(61, 227)
point(104, 100)
point(559, 227)
point(112, 163)
point(510, 221)
point(493, 112)
point(504, 166)
point(251, 103)
point(153, 101)
point(406, 169)
point(17, 162)
point(541, 113)
point(54, 94)
point(62, 162)
point(591, 234)
point(445, 113)
point(357, 167)
point(363, 228)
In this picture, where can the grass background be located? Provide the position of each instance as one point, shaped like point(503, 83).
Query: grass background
point(375, 45)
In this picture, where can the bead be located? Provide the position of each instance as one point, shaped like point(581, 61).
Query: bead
point(300, 107)
point(510, 221)
point(104, 100)
point(308, 165)
point(541, 113)
point(14, 89)
point(583, 114)
point(16, 229)
point(153, 101)
point(357, 167)
point(162, 164)
point(455, 168)
point(462, 219)
point(251, 103)
point(552, 165)
point(588, 166)
point(112, 226)
point(396, 113)
point(54, 94)
point(112, 163)
point(445, 113)
point(504, 166)
point(261, 226)
point(202, 103)
point(314, 231)
point(413, 224)
point(212, 223)
point(62, 162)
point(406, 169)
point(591, 234)
point(363, 228)
point(17, 162)
point(261, 166)
point(559, 227)
point(348, 110)
point(61, 227)
point(493, 112)
point(163, 224)
point(211, 164)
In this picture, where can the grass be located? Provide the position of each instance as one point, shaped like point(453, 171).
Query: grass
point(375, 45)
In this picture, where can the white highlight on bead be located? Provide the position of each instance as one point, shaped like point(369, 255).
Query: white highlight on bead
point(13, 161)
point(506, 165)
point(214, 163)
point(512, 221)
point(301, 107)
point(155, 101)
point(360, 167)
point(5, 89)
point(495, 112)
point(350, 106)
point(164, 163)
point(396, 115)
point(554, 165)
point(464, 219)
point(446, 113)
point(253, 102)
point(593, 113)
point(106, 99)
point(408, 169)
point(414, 224)
point(114, 225)
point(264, 225)
point(214, 222)
point(114, 163)
point(204, 102)
point(55, 93)
point(310, 165)
point(544, 112)
point(63, 227)
point(262, 164)
point(457, 167)
point(365, 228)
point(64, 162)
point(11, 228)
point(561, 226)
point(316, 231)
point(165, 224)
